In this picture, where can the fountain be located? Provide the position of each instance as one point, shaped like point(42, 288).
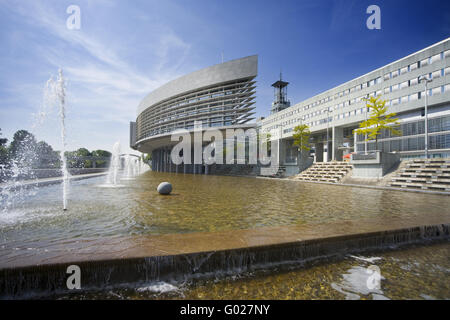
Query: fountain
point(55, 95)
point(61, 95)
point(130, 168)
point(114, 167)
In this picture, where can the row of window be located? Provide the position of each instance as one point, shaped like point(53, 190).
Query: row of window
point(393, 102)
point(184, 126)
point(441, 141)
point(439, 124)
point(419, 64)
point(226, 97)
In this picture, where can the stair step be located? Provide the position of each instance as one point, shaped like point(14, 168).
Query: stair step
point(420, 186)
point(427, 180)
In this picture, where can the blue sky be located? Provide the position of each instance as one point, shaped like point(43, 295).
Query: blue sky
point(125, 49)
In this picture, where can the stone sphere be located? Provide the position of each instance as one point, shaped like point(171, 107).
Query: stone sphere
point(164, 188)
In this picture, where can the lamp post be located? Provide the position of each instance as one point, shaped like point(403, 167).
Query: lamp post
point(427, 80)
point(365, 137)
point(328, 128)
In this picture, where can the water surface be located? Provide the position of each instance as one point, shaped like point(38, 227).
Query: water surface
point(199, 203)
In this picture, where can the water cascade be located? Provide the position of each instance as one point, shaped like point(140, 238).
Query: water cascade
point(114, 166)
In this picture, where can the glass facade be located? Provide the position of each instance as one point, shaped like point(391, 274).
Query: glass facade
point(413, 137)
point(222, 105)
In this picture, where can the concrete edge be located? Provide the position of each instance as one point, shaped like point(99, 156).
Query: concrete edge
point(100, 274)
point(361, 186)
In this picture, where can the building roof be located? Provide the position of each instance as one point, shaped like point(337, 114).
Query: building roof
point(214, 75)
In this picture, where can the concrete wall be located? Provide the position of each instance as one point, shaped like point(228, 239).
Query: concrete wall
point(375, 167)
point(51, 173)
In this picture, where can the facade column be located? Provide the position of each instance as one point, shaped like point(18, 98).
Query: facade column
point(165, 160)
point(319, 152)
point(169, 161)
point(338, 140)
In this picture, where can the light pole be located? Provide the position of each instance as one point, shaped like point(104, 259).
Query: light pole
point(328, 128)
point(365, 137)
point(427, 80)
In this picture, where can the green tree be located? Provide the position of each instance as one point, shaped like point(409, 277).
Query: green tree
point(80, 153)
point(3, 150)
point(3, 141)
point(101, 154)
point(301, 137)
point(4, 160)
point(23, 147)
point(46, 156)
point(147, 158)
point(378, 121)
point(267, 141)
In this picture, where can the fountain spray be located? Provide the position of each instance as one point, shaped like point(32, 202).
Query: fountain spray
point(61, 96)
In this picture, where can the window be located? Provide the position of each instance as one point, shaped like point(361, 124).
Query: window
point(404, 84)
point(436, 74)
point(435, 58)
point(435, 91)
point(424, 62)
point(447, 53)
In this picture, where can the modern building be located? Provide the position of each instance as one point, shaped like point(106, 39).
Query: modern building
point(334, 114)
point(221, 96)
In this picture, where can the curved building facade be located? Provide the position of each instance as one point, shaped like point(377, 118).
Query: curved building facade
point(221, 96)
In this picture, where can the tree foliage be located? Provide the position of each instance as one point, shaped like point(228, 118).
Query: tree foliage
point(378, 121)
point(3, 151)
point(301, 137)
point(23, 146)
point(266, 141)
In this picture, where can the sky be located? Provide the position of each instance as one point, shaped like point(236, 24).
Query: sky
point(125, 49)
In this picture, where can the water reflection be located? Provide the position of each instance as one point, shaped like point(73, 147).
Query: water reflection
point(200, 203)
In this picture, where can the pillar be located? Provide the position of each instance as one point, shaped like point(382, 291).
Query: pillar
point(319, 152)
point(338, 140)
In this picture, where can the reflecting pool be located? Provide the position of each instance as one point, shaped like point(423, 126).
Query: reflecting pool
point(198, 203)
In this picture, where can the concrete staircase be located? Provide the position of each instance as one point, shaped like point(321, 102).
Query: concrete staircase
point(426, 174)
point(325, 171)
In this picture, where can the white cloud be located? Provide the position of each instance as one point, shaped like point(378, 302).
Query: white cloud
point(103, 86)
